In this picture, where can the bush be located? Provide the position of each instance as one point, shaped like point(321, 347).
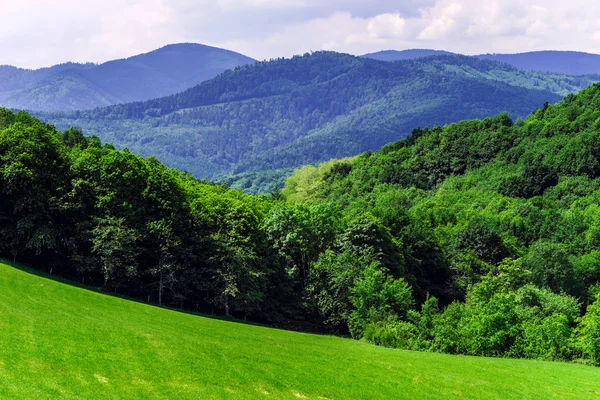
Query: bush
point(395, 334)
point(376, 297)
point(548, 339)
point(589, 333)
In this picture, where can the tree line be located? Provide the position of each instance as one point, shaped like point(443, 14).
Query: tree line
point(286, 113)
point(477, 238)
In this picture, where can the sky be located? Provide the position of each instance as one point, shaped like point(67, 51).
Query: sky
point(38, 33)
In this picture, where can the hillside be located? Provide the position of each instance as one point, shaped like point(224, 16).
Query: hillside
point(478, 238)
point(513, 209)
point(70, 86)
point(560, 62)
point(557, 62)
point(61, 341)
point(393, 55)
point(290, 112)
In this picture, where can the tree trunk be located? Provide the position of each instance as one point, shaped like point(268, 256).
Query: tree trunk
point(160, 288)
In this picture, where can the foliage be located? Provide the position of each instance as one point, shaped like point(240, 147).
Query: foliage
point(589, 331)
point(376, 296)
point(134, 351)
point(511, 211)
point(477, 238)
point(258, 122)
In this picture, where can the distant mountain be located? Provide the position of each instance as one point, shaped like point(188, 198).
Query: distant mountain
point(71, 86)
point(394, 55)
point(562, 62)
point(290, 112)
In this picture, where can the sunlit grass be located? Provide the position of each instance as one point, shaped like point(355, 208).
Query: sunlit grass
point(61, 341)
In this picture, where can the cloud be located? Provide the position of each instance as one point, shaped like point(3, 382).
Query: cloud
point(41, 32)
point(36, 33)
point(441, 20)
point(388, 26)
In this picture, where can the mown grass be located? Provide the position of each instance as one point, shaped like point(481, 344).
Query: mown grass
point(61, 341)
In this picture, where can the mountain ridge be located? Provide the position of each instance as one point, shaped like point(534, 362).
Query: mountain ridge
point(408, 54)
point(74, 86)
point(285, 113)
point(552, 61)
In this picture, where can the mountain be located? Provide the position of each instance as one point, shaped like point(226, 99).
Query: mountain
point(561, 62)
point(289, 112)
point(394, 55)
point(71, 86)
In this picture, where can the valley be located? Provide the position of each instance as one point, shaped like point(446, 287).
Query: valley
point(282, 114)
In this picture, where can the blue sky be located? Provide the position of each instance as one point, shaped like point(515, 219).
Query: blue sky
point(35, 33)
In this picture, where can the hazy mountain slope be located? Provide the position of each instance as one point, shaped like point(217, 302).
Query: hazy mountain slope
point(290, 112)
point(165, 71)
point(70, 86)
point(395, 55)
point(68, 89)
point(14, 80)
point(562, 62)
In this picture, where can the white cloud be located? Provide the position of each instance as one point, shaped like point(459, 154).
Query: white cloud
point(41, 32)
point(37, 33)
point(387, 26)
point(232, 5)
point(441, 20)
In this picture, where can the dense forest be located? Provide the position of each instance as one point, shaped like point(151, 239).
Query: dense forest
point(477, 238)
point(286, 113)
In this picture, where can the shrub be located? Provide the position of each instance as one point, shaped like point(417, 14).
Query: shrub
point(548, 339)
point(392, 333)
point(589, 332)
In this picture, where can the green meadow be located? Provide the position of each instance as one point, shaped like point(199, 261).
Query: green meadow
point(62, 341)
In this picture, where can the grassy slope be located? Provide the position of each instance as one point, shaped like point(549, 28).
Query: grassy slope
point(60, 341)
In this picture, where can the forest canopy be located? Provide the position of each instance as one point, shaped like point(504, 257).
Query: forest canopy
point(476, 238)
point(259, 121)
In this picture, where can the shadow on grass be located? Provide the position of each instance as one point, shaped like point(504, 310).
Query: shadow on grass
point(65, 281)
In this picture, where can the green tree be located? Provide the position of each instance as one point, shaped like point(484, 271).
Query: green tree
point(164, 248)
point(551, 266)
point(377, 296)
point(589, 332)
point(116, 246)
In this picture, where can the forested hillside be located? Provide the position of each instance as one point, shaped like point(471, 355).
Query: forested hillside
point(393, 55)
point(561, 62)
point(557, 62)
point(289, 112)
point(477, 238)
point(511, 209)
point(72, 86)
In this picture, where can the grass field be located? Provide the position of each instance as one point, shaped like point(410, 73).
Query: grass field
point(64, 342)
